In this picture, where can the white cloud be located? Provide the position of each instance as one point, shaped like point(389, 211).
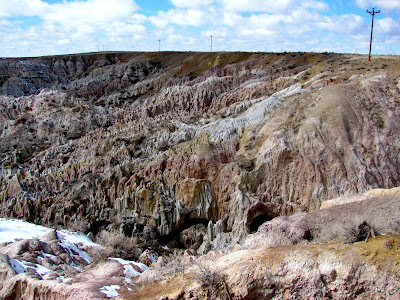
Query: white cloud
point(185, 17)
point(91, 11)
point(63, 42)
point(16, 8)
point(318, 5)
point(4, 22)
point(124, 30)
point(387, 5)
point(191, 3)
point(254, 25)
point(388, 26)
point(350, 24)
point(268, 6)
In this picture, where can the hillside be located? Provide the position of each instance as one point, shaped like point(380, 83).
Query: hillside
point(197, 150)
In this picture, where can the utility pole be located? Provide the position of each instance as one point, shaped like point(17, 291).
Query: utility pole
point(159, 45)
point(372, 13)
point(211, 36)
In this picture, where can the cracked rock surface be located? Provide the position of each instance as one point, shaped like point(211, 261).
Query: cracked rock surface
point(193, 150)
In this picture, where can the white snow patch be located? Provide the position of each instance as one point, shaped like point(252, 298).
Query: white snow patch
point(124, 262)
point(110, 290)
point(128, 281)
point(71, 248)
point(76, 267)
point(129, 271)
point(77, 238)
point(47, 255)
point(21, 266)
point(153, 257)
point(17, 265)
point(42, 270)
point(14, 230)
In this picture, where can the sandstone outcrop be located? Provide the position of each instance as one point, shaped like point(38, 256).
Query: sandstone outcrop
point(303, 256)
point(155, 143)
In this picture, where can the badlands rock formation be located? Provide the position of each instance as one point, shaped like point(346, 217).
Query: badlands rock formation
point(193, 150)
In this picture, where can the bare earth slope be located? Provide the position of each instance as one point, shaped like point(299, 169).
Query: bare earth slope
point(170, 140)
point(193, 150)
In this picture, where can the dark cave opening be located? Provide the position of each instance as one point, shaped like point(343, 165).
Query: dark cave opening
point(174, 237)
point(189, 222)
point(98, 225)
point(258, 221)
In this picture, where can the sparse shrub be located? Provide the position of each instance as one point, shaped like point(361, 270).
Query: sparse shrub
point(175, 262)
point(79, 225)
point(213, 282)
point(22, 119)
point(166, 266)
point(362, 232)
point(118, 245)
point(389, 244)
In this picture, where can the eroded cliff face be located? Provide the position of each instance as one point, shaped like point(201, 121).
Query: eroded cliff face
point(156, 143)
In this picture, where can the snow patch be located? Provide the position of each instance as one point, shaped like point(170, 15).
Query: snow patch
point(153, 257)
point(71, 248)
point(21, 266)
point(14, 230)
point(17, 265)
point(110, 290)
point(47, 255)
point(72, 242)
point(124, 262)
point(130, 271)
point(42, 270)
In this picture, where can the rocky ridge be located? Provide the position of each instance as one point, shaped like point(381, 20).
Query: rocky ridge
point(196, 150)
point(171, 140)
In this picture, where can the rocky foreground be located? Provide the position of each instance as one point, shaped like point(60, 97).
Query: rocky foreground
point(198, 150)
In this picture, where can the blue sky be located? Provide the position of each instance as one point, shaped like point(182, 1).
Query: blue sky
point(48, 27)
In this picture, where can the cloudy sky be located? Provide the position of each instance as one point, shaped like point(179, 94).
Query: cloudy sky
point(47, 27)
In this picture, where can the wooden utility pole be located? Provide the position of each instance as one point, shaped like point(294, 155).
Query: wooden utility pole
point(373, 13)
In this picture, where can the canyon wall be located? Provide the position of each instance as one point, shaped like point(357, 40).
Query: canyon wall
point(156, 143)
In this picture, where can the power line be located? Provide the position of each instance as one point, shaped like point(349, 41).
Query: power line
point(372, 13)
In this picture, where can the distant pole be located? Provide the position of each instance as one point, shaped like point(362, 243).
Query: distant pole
point(159, 45)
point(211, 36)
point(372, 13)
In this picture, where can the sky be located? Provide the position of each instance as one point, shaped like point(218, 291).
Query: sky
point(50, 27)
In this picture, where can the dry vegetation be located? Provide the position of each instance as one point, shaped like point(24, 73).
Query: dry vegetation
point(118, 245)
